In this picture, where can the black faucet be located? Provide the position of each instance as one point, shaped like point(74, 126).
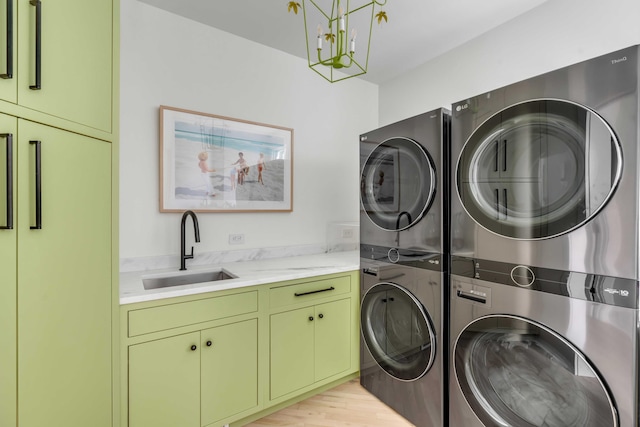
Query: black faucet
point(400, 215)
point(183, 255)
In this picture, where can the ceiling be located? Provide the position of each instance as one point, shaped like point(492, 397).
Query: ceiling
point(417, 30)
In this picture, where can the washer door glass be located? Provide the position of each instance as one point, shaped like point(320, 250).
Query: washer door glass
point(397, 331)
point(538, 169)
point(398, 184)
point(518, 373)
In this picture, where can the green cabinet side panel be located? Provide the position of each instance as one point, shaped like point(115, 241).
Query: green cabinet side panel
point(292, 346)
point(77, 38)
point(229, 381)
point(164, 382)
point(7, 288)
point(333, 338)
point(64, 281)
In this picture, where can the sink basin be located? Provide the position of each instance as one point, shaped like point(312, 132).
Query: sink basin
point(156, 282)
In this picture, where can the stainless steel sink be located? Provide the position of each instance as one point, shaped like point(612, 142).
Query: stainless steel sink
point(156, 282)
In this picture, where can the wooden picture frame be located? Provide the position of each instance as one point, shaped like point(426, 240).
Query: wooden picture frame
point(211, 163)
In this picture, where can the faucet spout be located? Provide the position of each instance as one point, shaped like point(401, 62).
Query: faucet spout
point(196, 229)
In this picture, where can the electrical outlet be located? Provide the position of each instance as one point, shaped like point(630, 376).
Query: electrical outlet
point(236, 239)
point(347, 233)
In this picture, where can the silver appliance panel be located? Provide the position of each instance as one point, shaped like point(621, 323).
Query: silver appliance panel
point(605, 243)
point(595, 342)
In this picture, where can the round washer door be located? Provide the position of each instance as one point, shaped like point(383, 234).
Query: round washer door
point(538, 169)
point(397, 331)
point(398, 184)
point(516, 372)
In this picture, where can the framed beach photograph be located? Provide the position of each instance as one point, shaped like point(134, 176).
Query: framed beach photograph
point(212, 163)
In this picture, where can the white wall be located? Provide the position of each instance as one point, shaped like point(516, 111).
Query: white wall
point(169, 60)
point(551, 36)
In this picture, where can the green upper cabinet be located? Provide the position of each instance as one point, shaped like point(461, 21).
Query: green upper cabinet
point(7, 274)
point(76, 53)
point(8, 54)
point(64, 279)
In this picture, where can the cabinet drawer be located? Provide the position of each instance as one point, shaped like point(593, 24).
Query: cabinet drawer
point(309, 291)
point(155, 319)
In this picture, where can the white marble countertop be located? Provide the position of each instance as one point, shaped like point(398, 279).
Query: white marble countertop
point(248, 273)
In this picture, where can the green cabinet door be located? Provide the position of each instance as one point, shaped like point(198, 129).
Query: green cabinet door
point(292, 348)
point(64, 280)
point(229, 360)
point(7, 281)
point(76, 60)
point(332, 338)
point(164, 382)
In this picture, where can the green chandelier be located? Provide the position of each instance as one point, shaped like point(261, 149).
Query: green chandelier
point(331, 48)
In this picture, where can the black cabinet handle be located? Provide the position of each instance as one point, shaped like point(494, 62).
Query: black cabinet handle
point(314, 292)
point(38, 5)
point(38, 145)
point(194, 347)
point(495, 169)
point(9, 138)
point(209, 343)
point(9, 72)
point(310, 318)
point(497, 193)
point(321, 315)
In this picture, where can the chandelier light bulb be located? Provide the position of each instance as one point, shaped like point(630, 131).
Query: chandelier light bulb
point(319, 47)
point(341, 26)
point(354, 33)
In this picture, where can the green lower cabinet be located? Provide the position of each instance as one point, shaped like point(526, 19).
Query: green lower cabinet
point(196, 379)
point(333, 339)
point(229, 360)
point(309, 345)
point(164, 382)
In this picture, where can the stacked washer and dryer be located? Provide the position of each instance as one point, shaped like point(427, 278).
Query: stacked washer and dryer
point(544, 255)
point(403, 260)
point(513, 301)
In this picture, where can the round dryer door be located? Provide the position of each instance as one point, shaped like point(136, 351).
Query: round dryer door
point(538, 169)
point(516, 372)
point(397, 331)
point(398, 184)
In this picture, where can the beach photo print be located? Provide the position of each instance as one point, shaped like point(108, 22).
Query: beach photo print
point(211, 163)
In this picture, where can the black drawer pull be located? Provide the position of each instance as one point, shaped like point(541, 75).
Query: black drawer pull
point(471, 297)
point(314, 292)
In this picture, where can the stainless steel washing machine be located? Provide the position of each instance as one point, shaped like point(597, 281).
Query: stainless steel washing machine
point(402, 350)
point(555, 350)
point(546, 170)
point(402, 183)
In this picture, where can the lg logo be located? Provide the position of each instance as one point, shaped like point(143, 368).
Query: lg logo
point(462, 107)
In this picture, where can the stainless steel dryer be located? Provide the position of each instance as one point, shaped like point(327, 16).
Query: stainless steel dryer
point(401, 186)
point(561, 353)
point(546, 170)
point(402, 245)
point(402, 350)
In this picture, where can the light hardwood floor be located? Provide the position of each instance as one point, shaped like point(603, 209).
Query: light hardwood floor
point(348, 405)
